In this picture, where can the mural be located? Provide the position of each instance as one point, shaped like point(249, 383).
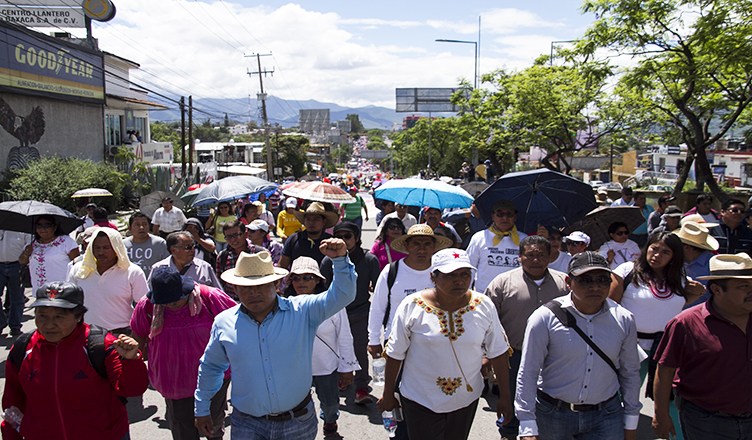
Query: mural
point(27, 129)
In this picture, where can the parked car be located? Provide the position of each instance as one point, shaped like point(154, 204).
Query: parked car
point(596, 183)
point(660, 188)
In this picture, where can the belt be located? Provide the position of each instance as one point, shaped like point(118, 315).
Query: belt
point(574, 407)
point(9, 262)
point(651, 336)
point(300, 410)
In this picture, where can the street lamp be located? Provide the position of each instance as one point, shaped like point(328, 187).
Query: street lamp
point(474, 43)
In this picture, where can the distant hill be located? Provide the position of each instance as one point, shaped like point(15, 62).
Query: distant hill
point(281, 111)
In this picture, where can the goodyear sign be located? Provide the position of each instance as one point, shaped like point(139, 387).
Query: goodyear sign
point(43, 65)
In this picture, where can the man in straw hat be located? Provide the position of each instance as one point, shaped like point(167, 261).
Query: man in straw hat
point(267, 340)
point(699, 246)
point(305, 243)
point(704, 355)
point(495, 250)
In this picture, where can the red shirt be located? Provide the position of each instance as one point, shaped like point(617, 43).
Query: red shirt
point(713, 358)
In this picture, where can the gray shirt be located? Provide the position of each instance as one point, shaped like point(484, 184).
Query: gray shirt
point(146, 253)
point(199, 270)
point(567, 368)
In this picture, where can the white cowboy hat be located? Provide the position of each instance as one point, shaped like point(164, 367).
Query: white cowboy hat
point(726, 266)
point(697, 235)
point(697, 218)
point(253, 270)
point(330, 217)
point(399, 244)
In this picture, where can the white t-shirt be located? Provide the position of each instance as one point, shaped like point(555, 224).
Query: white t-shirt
point(561, 263)
point(624, 252)
point(109, 297)
point(408, 281)
point(422, 337)
point(492, 260)
point(333, 346)
point(169, 221)
point(651, 313)
point(49, 262)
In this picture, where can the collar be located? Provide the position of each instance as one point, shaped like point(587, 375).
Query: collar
point(566, 301)
point(527, 277)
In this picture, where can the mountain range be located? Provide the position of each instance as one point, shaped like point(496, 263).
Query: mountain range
point(280, 111)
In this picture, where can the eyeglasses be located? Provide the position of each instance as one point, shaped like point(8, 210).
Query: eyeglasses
point(231, 236)
point(45, 225)
point(306, 277)
point(735, 210)
point(620, 233)
point(394, 227)
point(187, 247)
point(598, 281)
point(345, 236)
point(502, 214)
point(575, 243)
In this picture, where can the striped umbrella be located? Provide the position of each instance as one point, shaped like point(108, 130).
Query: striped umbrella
point(319, 192)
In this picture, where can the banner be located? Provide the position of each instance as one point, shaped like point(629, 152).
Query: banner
point(43, 65)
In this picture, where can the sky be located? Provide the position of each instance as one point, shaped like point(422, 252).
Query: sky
point(349, 52)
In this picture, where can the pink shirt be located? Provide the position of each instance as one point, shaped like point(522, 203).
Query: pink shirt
point(175, 352)
point(379, 250)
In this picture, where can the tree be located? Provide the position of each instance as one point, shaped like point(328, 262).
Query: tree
point(355, 125)
point(291, 154)
point(411, 147)
point(694, 66)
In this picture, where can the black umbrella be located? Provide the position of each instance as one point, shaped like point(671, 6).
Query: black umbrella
point(20, 216)
point(596, 222)
point(149, 203)
point(542, 197)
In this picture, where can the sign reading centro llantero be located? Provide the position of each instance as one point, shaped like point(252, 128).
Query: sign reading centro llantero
point(47, 66)
point(30, 16)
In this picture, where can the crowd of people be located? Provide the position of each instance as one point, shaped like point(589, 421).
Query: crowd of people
point(278, 303)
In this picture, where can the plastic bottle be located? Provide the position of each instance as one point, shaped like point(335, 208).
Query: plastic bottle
point(390, 424)
point(13, 416)
point(378, 365)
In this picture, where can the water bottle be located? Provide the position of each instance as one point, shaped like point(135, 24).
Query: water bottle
point(390, 424)
point(378, 365)
point(13, 416)
point(500, 421)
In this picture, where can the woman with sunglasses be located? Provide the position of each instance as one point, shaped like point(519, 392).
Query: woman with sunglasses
point(219, 218)
point(333, 356)
point(655, 289)
point(620, 249)
point(49, 253)
point(382, 249)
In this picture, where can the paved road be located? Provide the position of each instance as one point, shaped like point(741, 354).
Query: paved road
point(356, 422)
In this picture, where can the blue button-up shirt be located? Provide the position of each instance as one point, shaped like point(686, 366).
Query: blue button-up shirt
point(271, 360)
point(699, 267)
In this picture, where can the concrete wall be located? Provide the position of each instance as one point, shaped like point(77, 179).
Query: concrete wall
point(71, 129)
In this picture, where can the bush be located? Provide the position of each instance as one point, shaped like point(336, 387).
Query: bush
point(56, 179)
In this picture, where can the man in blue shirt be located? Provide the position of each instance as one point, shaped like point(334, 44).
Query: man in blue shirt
point(267, 340)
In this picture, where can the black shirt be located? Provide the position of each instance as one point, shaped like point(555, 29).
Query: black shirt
point(733, 241)
point(299, 245)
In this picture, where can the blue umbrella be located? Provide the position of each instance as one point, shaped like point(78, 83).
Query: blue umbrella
point(231, 188)
point(419, 192)
point(542, 197)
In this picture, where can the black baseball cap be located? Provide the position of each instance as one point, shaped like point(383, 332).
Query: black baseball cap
point(59, 294)
point(587, 261)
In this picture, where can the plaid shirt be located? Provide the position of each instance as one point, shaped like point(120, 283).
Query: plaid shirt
point(226, 260)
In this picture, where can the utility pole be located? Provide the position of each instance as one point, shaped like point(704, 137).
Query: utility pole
point(190, 137)
point(182, 135)
point(262, 97)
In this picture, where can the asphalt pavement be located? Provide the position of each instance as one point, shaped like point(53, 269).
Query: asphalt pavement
point(356, 422)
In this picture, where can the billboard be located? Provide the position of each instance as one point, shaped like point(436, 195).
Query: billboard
point(314, 121)
point(417, 99)
point(50, 67)
point(30, 16)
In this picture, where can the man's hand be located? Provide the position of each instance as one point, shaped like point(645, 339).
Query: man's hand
point(375, 351)
point(204, 425)
point(333, 247)
point(610, 255)
point(631, 434)
point(346, 379)
point(663, 427)
point(506, 409)
point(387, 402)
point(529, 437)
point(126, 347)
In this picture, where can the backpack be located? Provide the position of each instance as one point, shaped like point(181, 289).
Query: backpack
point(95, 349)
point(391, 277)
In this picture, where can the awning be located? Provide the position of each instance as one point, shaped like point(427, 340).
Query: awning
point(241, 169)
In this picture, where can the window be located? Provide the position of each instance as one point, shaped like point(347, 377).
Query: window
point(112, 130)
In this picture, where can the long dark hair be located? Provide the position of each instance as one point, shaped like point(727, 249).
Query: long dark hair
point(51, 219)
point(674, 270)
point(390, 221)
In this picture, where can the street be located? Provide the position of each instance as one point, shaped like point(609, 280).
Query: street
point(359, 422)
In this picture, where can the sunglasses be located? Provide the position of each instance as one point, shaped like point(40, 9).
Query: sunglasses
point(345, 236)
point(735, 210)
point(305, 277)
point(188, 247)
point(45, 225)
point(231, 236)
point(620, 233)
point(502, 214)
point(394, 228)
point(586, 281)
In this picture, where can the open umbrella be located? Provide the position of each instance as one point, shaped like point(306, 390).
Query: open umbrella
point(542, 197)
point(231, 188)
point(474, 188)
point(20, 216)
point(190, 196)
point(153, 201)
point(596, 222)
point(318, 192)
point(419, 192)
point(91, 192)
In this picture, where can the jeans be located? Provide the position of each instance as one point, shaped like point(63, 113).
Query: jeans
point(565, 424)
point(359, 330)
point(327, 390)
point(10, 278)
point(510, 430)
point(247, 427)
point(699, 424)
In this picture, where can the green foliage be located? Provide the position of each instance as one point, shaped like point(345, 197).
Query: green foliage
point(291, 154)
point(355, 125)
point(56, 179)
point(412, 146)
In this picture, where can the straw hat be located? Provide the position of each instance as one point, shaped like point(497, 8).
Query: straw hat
point(697, 235)
point(330, 217)
point(697, 218)
point(420, 230)
point(253, 270)
point(726, 266)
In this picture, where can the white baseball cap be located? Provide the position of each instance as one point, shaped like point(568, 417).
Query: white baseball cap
point(291, 202)
point(450, 259)
point(579, 237)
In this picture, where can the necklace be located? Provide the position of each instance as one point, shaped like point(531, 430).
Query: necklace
point(660, 292)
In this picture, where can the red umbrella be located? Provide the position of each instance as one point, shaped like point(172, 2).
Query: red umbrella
point(318, 191)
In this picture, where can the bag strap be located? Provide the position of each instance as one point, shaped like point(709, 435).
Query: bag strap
point(568, 320)
point(96, 350)
point(18, 350)
point(391, 277)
